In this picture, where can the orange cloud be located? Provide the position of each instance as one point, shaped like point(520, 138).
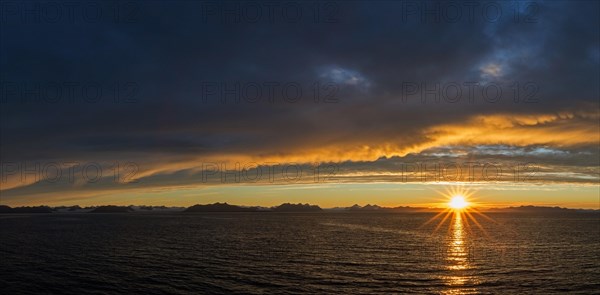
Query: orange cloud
point(559, 129)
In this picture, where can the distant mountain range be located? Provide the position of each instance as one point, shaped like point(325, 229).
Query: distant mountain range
point(286, 207)
point(539, 209)
point(377, 208)
point(224, 207)
point(221, 207)
point(92, 209)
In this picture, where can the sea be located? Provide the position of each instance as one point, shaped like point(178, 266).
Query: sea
point(300, 253)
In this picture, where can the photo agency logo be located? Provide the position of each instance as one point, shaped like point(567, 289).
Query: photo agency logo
point(272, 172)
point(71, 172)
point(331, 12)
point(128, 172)
point(268, 172)
point(68, 12)
point(236, 92)
point(291, 173)
point(68, 92)
point(470, 92)
point(471, 171)
point(269, 12)
point(472, 12)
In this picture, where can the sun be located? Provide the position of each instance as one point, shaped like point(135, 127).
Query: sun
point(458, 202)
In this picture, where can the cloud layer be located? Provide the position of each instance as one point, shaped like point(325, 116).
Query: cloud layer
point(183, 84)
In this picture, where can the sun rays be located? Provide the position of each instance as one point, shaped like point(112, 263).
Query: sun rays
point(459, 204)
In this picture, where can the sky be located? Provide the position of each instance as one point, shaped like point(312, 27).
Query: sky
point(330, 103)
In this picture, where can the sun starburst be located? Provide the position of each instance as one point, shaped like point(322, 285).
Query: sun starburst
point(459, 201)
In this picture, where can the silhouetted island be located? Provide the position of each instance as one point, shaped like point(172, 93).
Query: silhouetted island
point(287, 207)
point(224, 207)
point(380, 209)
point(36, 209)
point(540, 209)
point(67, 208)
point(112, 209)
point(220, 207)
point(367, 207)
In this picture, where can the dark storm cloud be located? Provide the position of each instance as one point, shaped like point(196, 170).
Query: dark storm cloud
point(164, 57)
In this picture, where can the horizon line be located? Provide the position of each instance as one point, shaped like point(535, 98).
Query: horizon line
point(483, 208)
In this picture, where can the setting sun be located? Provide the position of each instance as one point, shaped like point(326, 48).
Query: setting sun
point(458, 202)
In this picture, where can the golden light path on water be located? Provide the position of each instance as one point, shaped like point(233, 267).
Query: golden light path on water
point(457, 254)
point(457, 258)
point(460, 212)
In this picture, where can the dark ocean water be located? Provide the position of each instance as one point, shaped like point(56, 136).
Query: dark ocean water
point(316, 253)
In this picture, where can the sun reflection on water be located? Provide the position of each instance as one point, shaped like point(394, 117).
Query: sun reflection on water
point(458, 258)
point(459, 264)
point(457, 254)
